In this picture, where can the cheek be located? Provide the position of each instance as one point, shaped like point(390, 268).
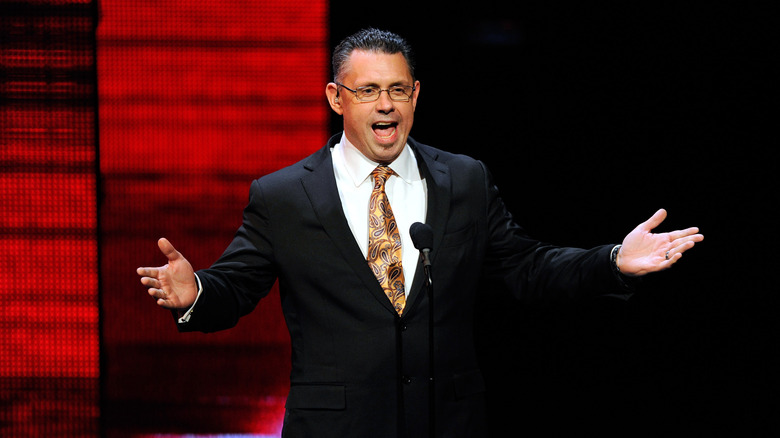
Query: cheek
point(354, 116)
point(408, 118)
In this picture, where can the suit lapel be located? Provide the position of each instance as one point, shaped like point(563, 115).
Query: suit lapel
point(438, 181)
point(320, 187)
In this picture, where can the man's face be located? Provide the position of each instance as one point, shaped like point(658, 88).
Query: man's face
point(378, 129)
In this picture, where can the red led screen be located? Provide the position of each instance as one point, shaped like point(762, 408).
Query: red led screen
point(49, 337)
point(197, 99)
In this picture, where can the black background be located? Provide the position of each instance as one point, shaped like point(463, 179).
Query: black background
point(591, 116)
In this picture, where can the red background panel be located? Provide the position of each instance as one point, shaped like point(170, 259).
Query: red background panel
point(125, 121)
point(49, 313)
point(197, 99)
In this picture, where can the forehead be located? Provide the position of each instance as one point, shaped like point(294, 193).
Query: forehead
point(366, 67)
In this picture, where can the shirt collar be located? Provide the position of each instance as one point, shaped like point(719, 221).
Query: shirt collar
point(359, 167)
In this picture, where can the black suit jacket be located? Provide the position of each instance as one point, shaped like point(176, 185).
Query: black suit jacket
point(358, 369)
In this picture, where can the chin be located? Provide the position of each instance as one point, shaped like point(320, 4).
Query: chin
point(386, 154)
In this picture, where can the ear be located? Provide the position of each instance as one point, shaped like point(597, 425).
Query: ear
point(334, 99)
point(415, 94)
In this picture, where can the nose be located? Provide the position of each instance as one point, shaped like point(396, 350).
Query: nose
point(384, 104)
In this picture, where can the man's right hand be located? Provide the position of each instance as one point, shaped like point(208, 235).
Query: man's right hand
point(173, 285)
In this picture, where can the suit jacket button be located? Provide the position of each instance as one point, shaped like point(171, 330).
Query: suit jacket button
point(407, 380)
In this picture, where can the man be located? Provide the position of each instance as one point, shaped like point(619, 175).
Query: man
point(353, 295)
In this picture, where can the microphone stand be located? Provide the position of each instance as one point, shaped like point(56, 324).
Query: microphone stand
point(431, 352)
point(422, 237)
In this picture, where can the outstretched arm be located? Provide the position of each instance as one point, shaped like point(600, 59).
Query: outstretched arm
point(173, 284)
point(644, 252)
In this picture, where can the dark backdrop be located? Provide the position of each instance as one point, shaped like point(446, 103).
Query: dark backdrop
point(592, 117)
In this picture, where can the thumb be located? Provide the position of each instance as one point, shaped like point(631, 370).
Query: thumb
point(168, 250)
point(655, 220)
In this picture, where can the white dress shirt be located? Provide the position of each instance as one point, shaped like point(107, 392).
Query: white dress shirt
point(407, 193)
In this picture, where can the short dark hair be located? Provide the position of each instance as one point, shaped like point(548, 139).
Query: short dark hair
point(370, 40)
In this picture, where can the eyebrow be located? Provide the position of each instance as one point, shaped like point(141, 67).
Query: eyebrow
point(396, 83)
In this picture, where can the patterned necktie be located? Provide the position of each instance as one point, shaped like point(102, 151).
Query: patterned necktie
point(384, 241)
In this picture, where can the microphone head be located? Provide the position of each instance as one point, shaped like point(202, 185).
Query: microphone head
point(422, 236)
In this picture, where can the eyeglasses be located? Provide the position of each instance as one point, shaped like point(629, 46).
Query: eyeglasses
point(370, 93)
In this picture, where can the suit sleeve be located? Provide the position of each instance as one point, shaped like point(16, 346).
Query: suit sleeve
point(242, 276)
point(531, 269)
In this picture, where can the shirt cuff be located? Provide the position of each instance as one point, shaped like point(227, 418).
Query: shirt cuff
point(186, 317)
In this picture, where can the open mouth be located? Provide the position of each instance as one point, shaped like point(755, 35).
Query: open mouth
point(384, 130)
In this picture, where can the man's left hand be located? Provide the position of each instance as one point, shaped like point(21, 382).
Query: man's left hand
point(644, 252)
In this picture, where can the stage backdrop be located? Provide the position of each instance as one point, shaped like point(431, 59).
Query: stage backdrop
point(49, 364)
point(197, 99)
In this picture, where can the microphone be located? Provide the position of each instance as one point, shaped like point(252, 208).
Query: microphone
point(422, 238)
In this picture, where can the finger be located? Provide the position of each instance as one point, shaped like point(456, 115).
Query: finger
point(688, 240)
point(150, 282)
point(683, 247)
point(679, 234)
point(163, 298)
point(166, 303)
point(675, 253)
point(655, 220)
point(148, 272)
point(168, 250)
point(157, 293)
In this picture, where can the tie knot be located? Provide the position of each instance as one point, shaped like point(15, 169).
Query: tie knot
point(382, 173)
